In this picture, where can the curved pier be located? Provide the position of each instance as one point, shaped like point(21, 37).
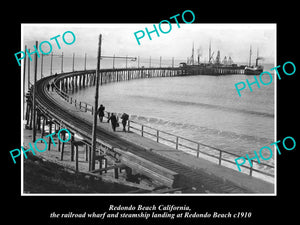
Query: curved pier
point(162, 167)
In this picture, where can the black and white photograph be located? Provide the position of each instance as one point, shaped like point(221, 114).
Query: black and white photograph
point(175, 114)
point(144, 113)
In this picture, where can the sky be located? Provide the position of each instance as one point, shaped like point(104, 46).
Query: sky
point(231, 39)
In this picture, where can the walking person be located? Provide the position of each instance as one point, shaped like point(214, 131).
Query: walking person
point(100, 112)
point(114, 121)
point(52, 86)
point(124, 118)
point(48, 87)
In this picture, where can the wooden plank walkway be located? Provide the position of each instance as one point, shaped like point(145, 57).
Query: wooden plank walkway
point(198, 175)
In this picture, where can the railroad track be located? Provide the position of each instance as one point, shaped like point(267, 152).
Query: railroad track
point(194, 180)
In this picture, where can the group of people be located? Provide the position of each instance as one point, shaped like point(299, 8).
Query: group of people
point(52, 85)
point(112, 118)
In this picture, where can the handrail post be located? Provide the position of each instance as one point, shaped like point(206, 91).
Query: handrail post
point(128, 125)
point(177, 142)
point(220, 158)
point(198, 150)
point(251, 171)
point(157, 135)
point(142, 130)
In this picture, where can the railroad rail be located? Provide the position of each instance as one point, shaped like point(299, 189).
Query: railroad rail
point(167, 171)
point(64, 84)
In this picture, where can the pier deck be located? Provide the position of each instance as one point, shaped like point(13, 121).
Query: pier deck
point(196, 174)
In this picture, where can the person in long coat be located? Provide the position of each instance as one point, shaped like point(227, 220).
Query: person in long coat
point(114, 121)
point(101, 112)
point(124, 118)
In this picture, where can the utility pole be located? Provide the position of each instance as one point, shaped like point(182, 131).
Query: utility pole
point(42, 64)
point(172, 62)
point(160, 62)
point(34, 91)
point(28, 80)
point(85, 61)
point(114, 61)
point(42, 60)
point(73, 62)
point(98, 74)
point(62, 62)
point(51, 63)
point(24, 72)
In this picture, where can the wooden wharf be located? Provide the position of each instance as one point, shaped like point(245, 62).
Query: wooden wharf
point(125, 153)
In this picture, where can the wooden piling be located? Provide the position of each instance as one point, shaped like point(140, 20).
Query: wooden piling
point(76, 158)
point(72, 147)
point(43, 126)
point(50, 131)
point(116, 173)
point(86, 153)
point(38, 124)
point(62, 151)
point(100, 164)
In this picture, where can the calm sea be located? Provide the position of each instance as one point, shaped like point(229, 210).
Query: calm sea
point(202, 108)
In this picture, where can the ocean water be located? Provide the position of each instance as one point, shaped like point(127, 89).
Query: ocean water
point(205, 109)
point(200, 103)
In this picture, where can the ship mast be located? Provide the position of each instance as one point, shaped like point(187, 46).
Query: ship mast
point(257, 58)
point(199, 54)
point(250, 55)
point(192, 59)
point(209, 52)
point(218, 58)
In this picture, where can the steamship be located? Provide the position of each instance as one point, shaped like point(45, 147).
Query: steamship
point(254, 70)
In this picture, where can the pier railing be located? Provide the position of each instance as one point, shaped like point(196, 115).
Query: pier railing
point(197, 149)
